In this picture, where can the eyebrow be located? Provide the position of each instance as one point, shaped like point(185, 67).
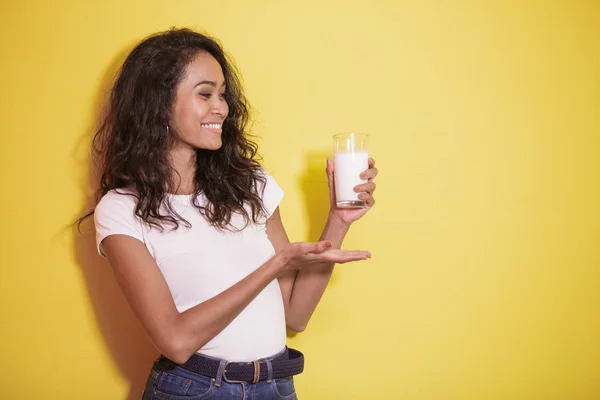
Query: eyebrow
point(211, 83)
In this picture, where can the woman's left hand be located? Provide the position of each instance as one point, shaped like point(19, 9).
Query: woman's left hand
point(349, 215)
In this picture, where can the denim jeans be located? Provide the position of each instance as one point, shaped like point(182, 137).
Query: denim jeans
point(169, 382)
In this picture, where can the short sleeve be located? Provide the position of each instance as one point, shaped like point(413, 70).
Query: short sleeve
point(271, 195)
point(115, 215)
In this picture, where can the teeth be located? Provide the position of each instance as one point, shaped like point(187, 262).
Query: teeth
point(212, 126)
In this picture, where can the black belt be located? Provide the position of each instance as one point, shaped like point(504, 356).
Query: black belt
point(290, 362)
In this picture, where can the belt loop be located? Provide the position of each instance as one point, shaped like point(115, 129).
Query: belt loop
point(269, 370)
point(220, 373)
point(256, 371)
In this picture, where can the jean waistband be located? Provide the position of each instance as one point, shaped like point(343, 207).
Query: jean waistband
point(283, 364)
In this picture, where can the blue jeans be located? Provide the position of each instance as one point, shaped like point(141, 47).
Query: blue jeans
point(175, 383)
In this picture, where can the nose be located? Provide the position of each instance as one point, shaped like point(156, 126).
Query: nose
point(220, 107)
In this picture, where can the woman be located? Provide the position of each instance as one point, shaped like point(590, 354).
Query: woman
point(190, 224)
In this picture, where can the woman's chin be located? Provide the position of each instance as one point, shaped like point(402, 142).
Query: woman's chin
point(211, 146)
point(217, 146)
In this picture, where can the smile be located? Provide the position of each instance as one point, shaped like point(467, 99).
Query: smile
point(212, 126)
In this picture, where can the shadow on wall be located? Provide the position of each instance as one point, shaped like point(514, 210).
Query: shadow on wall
point(313, 187)
point(130, 348)
point(315, 192)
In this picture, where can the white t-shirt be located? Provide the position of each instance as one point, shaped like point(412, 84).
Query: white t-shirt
point(200, 262)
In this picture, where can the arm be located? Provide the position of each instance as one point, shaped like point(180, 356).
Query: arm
point(302, 290)
point(179, 335)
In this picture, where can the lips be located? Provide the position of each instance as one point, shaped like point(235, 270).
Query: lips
point(215, 127)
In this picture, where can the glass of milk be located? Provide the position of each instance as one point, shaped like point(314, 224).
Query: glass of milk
point(350, 159)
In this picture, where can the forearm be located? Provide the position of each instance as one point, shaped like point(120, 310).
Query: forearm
point(198, 325)
point(311, 282)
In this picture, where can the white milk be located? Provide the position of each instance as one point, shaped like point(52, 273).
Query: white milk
point(347, 170)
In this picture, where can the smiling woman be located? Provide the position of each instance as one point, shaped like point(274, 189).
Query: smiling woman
point(190, 224)
point(153, 139)
point(200, 106)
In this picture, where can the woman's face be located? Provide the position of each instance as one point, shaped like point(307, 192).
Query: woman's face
point(200, 106)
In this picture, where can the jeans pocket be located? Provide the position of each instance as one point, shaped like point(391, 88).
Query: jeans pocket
point(175, 386)
point(284, 388)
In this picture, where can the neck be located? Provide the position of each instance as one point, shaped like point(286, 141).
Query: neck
point(183, 161)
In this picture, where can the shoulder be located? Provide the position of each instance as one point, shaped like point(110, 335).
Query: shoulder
point(116, 202)
point(118, 197)
point(115, 214)
point(270, 192)
point(266, 177)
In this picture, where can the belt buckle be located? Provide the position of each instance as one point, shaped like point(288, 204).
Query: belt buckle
point(256, 372)
point(225, 374)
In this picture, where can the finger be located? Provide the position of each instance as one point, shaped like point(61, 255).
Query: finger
point(352, 254)
point(349, 256)
point(329, 167)
point(371, 162)
point(340, 253)
point(368, 187)
point(301, 248)
point(324, 244)
point(315, 248)
point(369, 174)
point(330, 180)
point(368, 199)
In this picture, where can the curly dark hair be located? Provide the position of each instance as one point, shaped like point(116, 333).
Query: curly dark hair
point(133, 141)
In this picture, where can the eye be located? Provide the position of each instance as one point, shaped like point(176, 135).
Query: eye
point(222, 96)
point(206, 95)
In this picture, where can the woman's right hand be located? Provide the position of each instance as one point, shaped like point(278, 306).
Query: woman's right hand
point(300, 254)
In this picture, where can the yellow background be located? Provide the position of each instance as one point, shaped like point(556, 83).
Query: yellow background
point(485, 124)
